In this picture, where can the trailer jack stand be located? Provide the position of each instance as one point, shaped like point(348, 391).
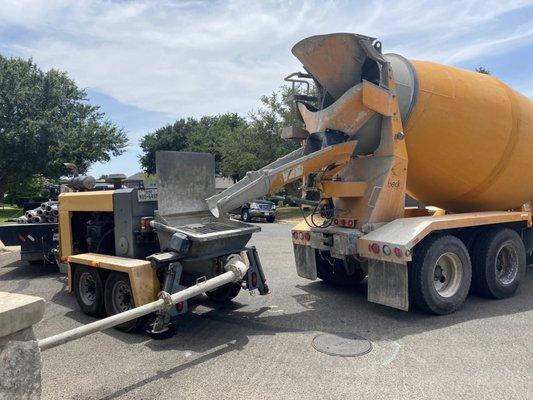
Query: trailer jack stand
point(165, 333)
point(161, 328)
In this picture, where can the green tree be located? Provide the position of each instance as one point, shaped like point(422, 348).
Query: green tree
point(170, 137)
point(45, 120)
point(483, 70)
point(239, 144)
point(259, 143)
point(211, 133)
point(30, 189)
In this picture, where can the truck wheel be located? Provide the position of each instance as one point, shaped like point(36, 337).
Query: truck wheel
point(498, 263)
point(225, 293)
point(440, 274)
point(245, 215)
point(88, 290)
point(333, 271)
point(271, 219)
point(118, 297)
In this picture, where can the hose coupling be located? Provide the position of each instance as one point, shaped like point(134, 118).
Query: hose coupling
point(167, 299)
point(236, 265)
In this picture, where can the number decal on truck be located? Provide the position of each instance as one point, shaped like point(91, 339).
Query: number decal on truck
point(144, 195)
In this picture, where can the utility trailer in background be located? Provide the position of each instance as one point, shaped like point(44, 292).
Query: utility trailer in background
point(38, 242)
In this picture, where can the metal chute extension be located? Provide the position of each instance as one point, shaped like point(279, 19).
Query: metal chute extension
point(281, 172)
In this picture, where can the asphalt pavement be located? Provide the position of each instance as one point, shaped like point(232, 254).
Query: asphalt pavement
point(261, 346)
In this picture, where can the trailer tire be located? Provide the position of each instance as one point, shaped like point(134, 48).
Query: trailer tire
point(333, 271)
point(88, 289)
point(225, 293)
point(498, 263)
point(439, 274)
point(118, 296)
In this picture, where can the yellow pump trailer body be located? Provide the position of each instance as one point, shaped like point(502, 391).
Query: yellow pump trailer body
point(469, 140)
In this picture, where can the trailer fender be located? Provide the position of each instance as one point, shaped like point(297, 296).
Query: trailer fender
point(394, 241)
point(143, 278)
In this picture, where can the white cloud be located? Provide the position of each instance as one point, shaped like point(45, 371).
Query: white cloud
point(205, 57)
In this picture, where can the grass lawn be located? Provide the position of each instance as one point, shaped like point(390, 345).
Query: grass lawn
point(290, 213)
point(7, 211)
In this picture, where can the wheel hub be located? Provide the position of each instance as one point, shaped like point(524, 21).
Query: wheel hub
point(87, 288)
point(447, 274)
point(506, 264)
point(122, 298)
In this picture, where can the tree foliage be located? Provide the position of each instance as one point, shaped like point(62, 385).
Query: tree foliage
point(45, 120)
point(239, 144)
point(170, 137)
point(483, 70)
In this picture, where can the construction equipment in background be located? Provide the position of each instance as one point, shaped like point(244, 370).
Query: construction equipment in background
point(130, 247)
point(46, 212)
point(450, 138)
point(36, 231)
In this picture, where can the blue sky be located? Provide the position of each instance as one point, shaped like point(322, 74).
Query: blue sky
point(147, 63)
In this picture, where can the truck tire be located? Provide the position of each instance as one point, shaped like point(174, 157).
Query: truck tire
point(118, 297)
point(498, 263)
point(225, 293)
point(88, 289)
point(439, 274)
point(333, 271)
point(270, 219)
point(245, 215)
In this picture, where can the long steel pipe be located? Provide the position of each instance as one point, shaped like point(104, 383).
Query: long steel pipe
point(236, 269)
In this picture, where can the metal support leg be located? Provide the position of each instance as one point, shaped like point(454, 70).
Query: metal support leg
point(161, 326)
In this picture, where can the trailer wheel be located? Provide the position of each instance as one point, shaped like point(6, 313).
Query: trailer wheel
point(440, 274)
point(88, 290)
point(224, 293)
point(333, 270)
point(498, 263)
point(118, 297)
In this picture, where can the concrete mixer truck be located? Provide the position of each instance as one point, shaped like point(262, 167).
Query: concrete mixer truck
point(381, 126)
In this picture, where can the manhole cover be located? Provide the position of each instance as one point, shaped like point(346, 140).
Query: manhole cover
point(343, 345)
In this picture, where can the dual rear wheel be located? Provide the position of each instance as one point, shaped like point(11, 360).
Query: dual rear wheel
point(98, 297)
point(442, 272)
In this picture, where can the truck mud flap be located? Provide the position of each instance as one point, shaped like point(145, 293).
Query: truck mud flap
point(304, 256)
point(388, 284)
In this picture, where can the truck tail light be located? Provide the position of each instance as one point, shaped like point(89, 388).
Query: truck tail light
point(301, 236)
point(254, 279)
point(397, 252)
point(179, 306)
point(374, 248)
